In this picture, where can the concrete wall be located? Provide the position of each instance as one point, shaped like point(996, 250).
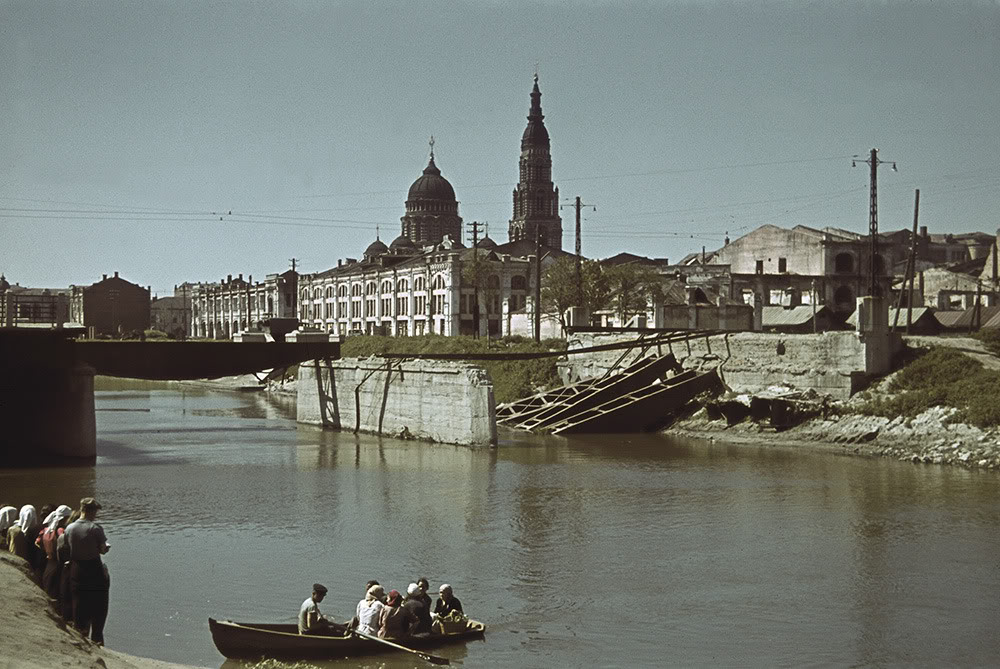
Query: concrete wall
point(832, 363)
point(432, 400)
point(707, 317)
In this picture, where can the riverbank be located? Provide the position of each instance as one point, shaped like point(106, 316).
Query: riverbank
point(35, 637)
point(928, 437)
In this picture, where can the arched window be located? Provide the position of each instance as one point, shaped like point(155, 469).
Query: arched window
point(493, 282)
point(356, 290)
point(318, 294)
point(387, 286)
point(438, 282)
point(517, 282)
point(843, 299)
point(329, 291)
point(420, 283)
point(371, 288)
point(843, 263)
point(402, 286)
point(305, 295)
point(342, 290)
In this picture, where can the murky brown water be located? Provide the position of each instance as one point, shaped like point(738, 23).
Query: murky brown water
point(610, 551)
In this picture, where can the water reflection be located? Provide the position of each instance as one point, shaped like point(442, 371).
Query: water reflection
point(593, 551)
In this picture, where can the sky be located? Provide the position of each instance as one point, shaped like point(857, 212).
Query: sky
point(130, 130)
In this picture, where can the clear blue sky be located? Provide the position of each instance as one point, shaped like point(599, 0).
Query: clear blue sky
point(123, 125)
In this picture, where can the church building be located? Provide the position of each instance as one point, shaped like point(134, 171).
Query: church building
point(425, 280)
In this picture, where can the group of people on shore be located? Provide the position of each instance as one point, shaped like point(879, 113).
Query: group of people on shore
point(385, 615)
point(63, 547)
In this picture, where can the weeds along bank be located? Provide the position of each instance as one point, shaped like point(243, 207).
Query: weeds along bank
point(940, 407)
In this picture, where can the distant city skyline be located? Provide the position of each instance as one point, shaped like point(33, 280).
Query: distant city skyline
point(129, 131)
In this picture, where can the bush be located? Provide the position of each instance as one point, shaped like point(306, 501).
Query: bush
point(990, 338)
point(941, 377)
point(512, 379)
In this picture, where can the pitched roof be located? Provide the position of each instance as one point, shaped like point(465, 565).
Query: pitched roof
point(775, 316)
point(964, 320)
point(918, 313)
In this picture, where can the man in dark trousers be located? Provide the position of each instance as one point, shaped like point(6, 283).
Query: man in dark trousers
point(89, 580)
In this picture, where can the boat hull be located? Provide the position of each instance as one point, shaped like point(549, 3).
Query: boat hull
point(253, 641)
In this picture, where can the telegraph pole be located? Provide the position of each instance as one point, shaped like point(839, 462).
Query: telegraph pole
point(475, 277)
point(538, 283)
point(578, 205)
point(873, 162)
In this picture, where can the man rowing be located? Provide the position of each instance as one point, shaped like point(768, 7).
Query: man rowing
point(311, 621)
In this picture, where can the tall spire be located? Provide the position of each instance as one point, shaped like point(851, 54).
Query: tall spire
point(432, 148)
point(536, 102)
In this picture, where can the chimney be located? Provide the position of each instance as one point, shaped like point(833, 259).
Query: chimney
point(339, 262)
point(229, 278)
point(923, 231)
point(240, 277)
point(116, 275)
point(104, 277)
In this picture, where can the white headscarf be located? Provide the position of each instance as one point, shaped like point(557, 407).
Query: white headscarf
point(28, 520)
point(8, 515)
point(61, 513)
point(375, 592)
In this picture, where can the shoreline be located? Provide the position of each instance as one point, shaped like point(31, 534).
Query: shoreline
point(927, 438)
point(37, 638)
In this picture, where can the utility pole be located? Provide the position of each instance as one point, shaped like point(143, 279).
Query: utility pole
point(475, 277)
point(873, 162)
point(538, 283)
point(578, 205)
point(911, 263)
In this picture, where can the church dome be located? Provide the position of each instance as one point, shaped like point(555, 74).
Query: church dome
point(486, 243)
point(376, 248)
point(402, 244)
point(431, 185)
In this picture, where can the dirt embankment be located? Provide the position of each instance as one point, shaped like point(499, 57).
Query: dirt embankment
point(35, 637)
point(926, 438)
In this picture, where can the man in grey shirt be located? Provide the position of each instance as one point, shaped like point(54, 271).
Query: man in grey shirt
point(89, 579)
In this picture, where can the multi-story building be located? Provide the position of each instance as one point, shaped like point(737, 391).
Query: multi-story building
point(110, 307)
point(21, 306)
point(426, 280)
point(221, 309)
point(172, 314)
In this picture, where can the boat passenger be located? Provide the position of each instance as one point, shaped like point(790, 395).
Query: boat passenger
point(369, 609)
point(447, 602)
point(414, 602)
point(311, 621)
point(395, 621)
point(89, 579)
point(353, 623)
point(54, 529)
point(424, 586)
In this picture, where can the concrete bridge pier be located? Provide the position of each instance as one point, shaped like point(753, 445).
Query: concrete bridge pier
point(46, 405)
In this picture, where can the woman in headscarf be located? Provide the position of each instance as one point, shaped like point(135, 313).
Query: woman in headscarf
point(21, 535)
point(54, 527)
point(8, 515)
point(369, 609)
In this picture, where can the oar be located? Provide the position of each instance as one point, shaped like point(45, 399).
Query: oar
point(433, 659)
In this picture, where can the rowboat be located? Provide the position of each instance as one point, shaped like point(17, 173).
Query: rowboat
point(252, 641)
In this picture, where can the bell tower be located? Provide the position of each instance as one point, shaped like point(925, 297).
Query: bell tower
point(536, 199)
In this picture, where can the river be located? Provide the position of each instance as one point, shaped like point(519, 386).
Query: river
point(611, 551)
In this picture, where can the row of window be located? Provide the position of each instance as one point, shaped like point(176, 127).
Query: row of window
point(517, 282)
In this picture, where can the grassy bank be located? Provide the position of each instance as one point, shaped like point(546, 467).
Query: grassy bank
point(512, 379)
point(939, 377)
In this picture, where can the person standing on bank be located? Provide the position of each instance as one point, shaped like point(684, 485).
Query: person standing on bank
point(89, 580)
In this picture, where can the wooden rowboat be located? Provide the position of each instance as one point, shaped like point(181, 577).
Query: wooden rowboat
point(252, 641)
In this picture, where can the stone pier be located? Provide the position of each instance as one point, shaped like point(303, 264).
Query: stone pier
point(431, 400)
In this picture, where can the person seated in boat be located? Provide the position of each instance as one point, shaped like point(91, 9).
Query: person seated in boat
point(447, 601)
point(424, 586)
point(311, 621)
point(353, 623)
point(369, 609)
point(395, 621)
point(414, 601)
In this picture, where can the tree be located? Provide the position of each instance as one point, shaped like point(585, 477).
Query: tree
point(480, 272)
point(559, 289)
point(632, 288)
